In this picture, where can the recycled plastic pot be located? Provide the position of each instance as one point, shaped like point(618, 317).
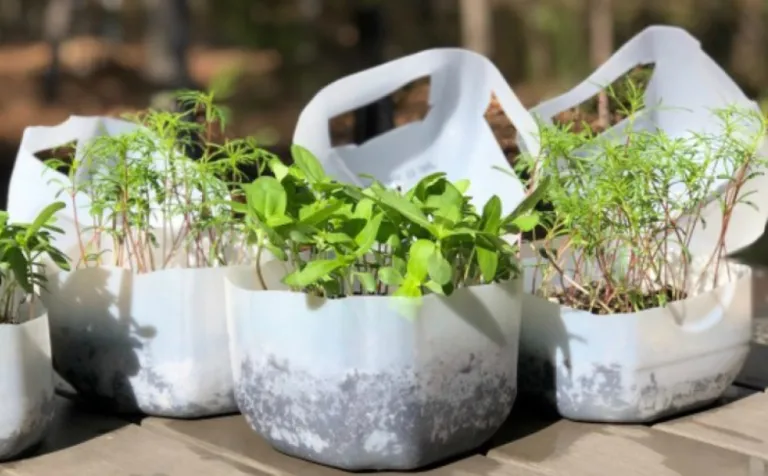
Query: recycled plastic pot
point(26, 384)
point(641, 366)
point(154, 343)
point(356, 384)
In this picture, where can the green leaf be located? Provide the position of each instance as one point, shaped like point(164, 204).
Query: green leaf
point(390, 276)
point(462, 186)
point(367, 236)
point(488, 261)
point(318, 212)
point(313, 272)
point(418, 260)
point(367, 281)
point(279, 169)
point(491, 219)
point(435, 287)
point(410, 288)
point(439, 268)
point(267, 196)
point(20, 268)
point(308, 164)
point(405, 208)
point(526, 222)
point(336, 238)
point(44, 217)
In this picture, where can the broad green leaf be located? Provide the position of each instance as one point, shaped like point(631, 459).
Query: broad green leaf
point(367, 236)
point(267, 196)
point(462, 185)
point(276, 221)
point(443, 194)
point(405, 208)
point(418, 261)
point(299, 236)
point(488, 261)
point(313, 272)
point(434, 287)
point(526, 222)
point(410, 288)
point(238, 207)
point(279, 169)
point(390, 276)
point(367, 281)
point(44, 217)
point(439, 268)
point(491, 218)
point(318, 212)
point(364, 209)
point(19, 267)
point(336, 238)
point(308, 164)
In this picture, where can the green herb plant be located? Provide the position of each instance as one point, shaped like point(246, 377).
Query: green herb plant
point(149, 206)
point(22, 273)
point(341, 239)
point(625, 211)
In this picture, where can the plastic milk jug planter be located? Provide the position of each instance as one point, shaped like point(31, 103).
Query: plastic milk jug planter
point(682, 95)
point(637, 367)
point(26, 384)
point(353, 383)
point(453, 138)
point(153, 342)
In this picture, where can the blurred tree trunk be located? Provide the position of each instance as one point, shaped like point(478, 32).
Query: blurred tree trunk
point(57, 25)
point(537, 15)
point(168, 43)
point(601, 48)
point(748, 50)
point(378, 117)
point(477, 25)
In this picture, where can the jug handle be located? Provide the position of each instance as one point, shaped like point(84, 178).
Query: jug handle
point(649, 46)
point(367, 86)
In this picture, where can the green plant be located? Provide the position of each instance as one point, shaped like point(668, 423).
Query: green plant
point(625, 211)
point(22, 275)
point(341, 239)
point(149, 206)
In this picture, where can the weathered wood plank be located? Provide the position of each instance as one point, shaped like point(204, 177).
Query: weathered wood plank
point(232, 437)
point(740, 426)
point(555, 446)
point(88, 444)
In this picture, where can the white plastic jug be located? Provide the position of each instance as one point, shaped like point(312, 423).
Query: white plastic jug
point(453, 138)
point(685, 89)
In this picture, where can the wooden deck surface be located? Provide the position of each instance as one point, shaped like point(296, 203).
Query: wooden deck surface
point(731, 438)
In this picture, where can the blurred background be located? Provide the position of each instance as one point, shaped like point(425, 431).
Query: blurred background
point(63, 57)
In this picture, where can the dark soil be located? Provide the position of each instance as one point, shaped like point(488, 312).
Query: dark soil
point(617, 302)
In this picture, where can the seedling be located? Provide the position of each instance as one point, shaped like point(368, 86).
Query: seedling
point(151, 206)
point(341, 239)
point(625, 211)
point(22, 275)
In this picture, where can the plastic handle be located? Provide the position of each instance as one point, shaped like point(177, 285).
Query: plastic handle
point(649, 46)
point(365, 87)
point(39, 138)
